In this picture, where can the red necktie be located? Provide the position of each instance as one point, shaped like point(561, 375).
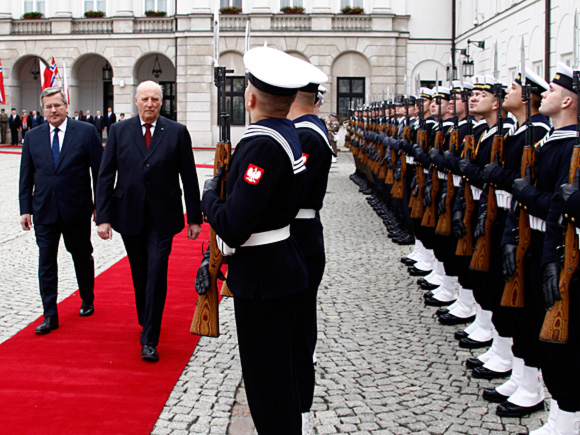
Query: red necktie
point(148, 135)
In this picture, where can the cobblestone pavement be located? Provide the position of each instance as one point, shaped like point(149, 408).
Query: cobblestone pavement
point(385, 366)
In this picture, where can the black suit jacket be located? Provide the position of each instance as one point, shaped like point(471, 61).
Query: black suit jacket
point(89, 119)
point(14, 121)
point(47, 192)
point(151, 174)
point(110, 120)
point(99, 123)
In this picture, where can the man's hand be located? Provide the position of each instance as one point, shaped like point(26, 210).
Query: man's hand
point(26, 221)
point(550, 284)
point(463, 164)
point(521, 183)
point(457, 225)
point(508, 259)
point(193, 231)
point(566, 190)
point(480, 227)
point(105, 231)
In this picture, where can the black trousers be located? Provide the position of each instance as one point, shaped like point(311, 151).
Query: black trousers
point(266, 335)
point(77, 240)
point(307, 331)
point(148, 254)
point(14, 136)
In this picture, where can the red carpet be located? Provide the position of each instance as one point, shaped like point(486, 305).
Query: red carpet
point(87, 377)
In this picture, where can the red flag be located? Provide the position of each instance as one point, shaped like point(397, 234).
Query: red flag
point(2, 95)
point(48, 75)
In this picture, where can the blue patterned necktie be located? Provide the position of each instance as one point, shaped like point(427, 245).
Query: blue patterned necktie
point(55, 147)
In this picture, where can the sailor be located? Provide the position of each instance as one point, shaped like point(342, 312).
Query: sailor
point(307, 230)
point(267, 273)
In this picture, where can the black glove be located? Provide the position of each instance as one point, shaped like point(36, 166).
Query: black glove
point(521, 183)
point(214, 183)
point(450, 159)
point(462, 164)
point(413, 183)
point(490, 167)
point(202, 279)
point(566, 190)
point(441, 208)
point(480, 227)
point(457, 225)
point(434, 153)
point(508, 260)
point(418, 150)
point(550, 283)
point(397, 173)
point(427, 200)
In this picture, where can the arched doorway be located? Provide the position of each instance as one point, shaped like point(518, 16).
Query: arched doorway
point(160, 69)
point(91, 84)
point(351, 72)
point(25, 86)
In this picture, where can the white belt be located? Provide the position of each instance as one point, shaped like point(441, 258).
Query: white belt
point(410, 160)
point(442, 175)
point(456, 180)
point(476, 192)
point(578, 231)
point(537, 224)
point(425, 171)
point(256, 239)
point(306, 213)
point(504, 199)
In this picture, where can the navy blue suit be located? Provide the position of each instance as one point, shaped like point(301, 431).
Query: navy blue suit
point(60, 201)
point(140, 196)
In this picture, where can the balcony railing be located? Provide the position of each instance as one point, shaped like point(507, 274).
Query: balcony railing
point(154, 25)
point(233, 22)
point(353, 23)
point(92, 25)
point(31, 27)
point(291, 22)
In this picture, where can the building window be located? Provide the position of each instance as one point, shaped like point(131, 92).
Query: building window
point(235, 87)
point(351, 93)
point(156, 5)
point(539, 68)
point(230, 3)
point(351, 3)
point(34, 6)
point(96, 5)
point(290, 3)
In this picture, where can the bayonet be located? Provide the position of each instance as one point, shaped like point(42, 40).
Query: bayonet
point(495, 62)
point(216, 37)
point(247, 38)
point(523, 64)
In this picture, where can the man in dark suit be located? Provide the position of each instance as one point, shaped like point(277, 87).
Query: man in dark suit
point(89, 118)
point(111, 119)
point(35, 119)
point(99, 123)
point(147, 155)
point(55, 187)
point(14, 123)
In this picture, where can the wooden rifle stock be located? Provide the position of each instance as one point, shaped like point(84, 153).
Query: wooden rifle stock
point(556, 322)
point(482, 255)
point(465, 243)
point(444, 223)
point(513, 292)
point(430, 215)
point(206, 317)
point(390, 178)
point(417, 209)
point(383, 164)
point(398, 189)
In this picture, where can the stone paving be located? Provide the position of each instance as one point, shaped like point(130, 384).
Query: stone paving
point(385, 366)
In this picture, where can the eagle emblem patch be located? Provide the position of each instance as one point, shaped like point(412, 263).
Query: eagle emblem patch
point(253, 174)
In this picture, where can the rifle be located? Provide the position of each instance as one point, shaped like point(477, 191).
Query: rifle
point(513, 292)
point(444, 223)
point(465, 243)
point(398, 189)
point(430, 215)
point(206, 317)
point(482, 255)
point(556, 322)
point(383, 150)
point(390, 178)
point(416, 204)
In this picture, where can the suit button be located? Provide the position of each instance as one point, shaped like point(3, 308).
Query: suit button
point(147, 165)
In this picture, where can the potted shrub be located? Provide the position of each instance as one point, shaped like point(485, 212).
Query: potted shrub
point(292, 10)
point(155, 13)
point(352, 11)
point(32, 16)
point(94, 14)
point(231, 10)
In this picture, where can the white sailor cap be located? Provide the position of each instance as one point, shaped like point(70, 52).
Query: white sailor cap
point(459, 85)
point(315, 76)
point(274, 71)
point(426, 93)
point(538, 84)
point(483, 83)
point(564, 76)
point(442, 92)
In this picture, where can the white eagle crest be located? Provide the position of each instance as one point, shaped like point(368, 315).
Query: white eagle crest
point(253, 174)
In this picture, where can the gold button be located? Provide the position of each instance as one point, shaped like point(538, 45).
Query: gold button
point(566, 215)
point(573, 220)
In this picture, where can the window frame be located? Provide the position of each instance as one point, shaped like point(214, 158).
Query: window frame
point(291, 3)
point(231, 3)
point(231, 94)
point(358, 97)
point(156, 6)
point(95, 3)
point(34, 6)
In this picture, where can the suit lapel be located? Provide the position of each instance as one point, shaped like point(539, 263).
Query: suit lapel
point(138, 135)
point(47, 147)
point(69, 137)
point(157, 137)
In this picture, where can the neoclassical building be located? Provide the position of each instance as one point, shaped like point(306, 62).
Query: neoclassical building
point(365, 56)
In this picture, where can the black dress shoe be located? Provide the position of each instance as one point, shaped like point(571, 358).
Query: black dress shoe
point(86, 309)
point(450, 319)
point(428, 286)
point(491, 395)
point(472, 363)
point(413, 271)
point(508, 409)
point(427, 295)
point(404, 240)
point(441, 311)
point(468, 343)
point(408, 261)
point(484, 373)
point(432, 302)
point(149, 353)
point(422, 281)
point(47, 325)
point(460, 334)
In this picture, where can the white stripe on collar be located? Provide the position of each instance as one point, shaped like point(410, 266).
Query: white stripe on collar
point(317, 129)
point(259, 130)
point(489, 133)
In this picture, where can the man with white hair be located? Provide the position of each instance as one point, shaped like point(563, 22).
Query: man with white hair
point(147, 155)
